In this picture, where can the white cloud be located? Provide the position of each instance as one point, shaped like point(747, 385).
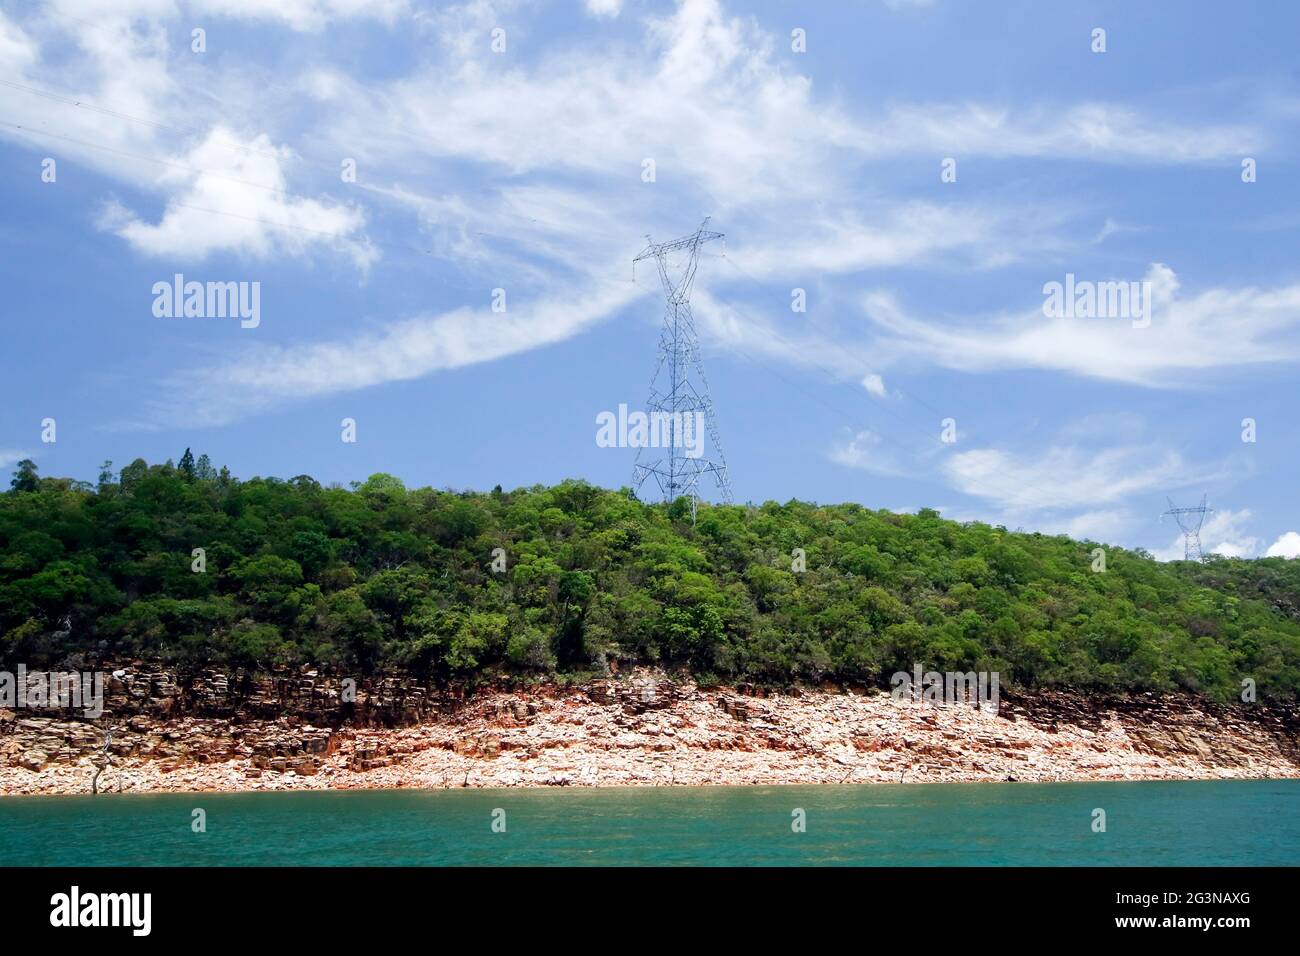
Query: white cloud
point(1106, 524)
point(548, 149)
point(1112, 228)
point(708, 98)
point(900, 233)
point(1286, 546)
point(1100, 524)
point(125, 104)
point(1224, 533)
point(1085, 490)
point(1065, 477)
point(702, 95)
point(751, 333)
point(303, 14)
point(1217, 328)
point(1073, 486)
point(237, 203)
point(1098, 132)
point(112, 60)
point(604, 8)
point(866, 451)
point(875, 385)
point(705, 94)
point(1231, 549)
point(265, 377)
point(18, 52)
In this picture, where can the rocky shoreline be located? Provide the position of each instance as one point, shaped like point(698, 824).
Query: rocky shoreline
point(218, 732)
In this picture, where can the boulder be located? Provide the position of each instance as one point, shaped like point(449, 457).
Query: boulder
point(33, 759)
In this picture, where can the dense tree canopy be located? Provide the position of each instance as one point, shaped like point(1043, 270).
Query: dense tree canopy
point(380, 577)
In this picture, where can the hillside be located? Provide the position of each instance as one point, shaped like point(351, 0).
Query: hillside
point(379, 577)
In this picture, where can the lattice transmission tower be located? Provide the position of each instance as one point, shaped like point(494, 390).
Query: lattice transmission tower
point(1190, 521)
point(679, 392)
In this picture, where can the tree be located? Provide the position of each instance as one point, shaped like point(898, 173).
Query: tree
point(312, 551)
point(387, 577)
point(25, 478)
point(133, 474)
point(186, 466)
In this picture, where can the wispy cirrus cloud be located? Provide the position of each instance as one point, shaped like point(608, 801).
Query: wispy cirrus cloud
point(304, 15)
point(121, 100)
point(730, 123)
point(1214, 328)
point(1081, 482)
point(260, 377)
point(1066, 477)
point(868, 451)
point(1096, 132)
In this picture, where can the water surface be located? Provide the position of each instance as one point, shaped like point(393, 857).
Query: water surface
point(1209, 823)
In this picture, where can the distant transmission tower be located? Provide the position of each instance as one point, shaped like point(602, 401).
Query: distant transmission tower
point(1190, 521)
point(679, 394)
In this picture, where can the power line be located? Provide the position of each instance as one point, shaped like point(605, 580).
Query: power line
point(130, 18)
point(77, 102)
point(198, 171)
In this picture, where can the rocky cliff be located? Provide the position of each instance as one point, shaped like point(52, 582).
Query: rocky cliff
point(218, 731)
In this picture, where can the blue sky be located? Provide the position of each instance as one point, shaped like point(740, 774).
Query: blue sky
point(522, 169)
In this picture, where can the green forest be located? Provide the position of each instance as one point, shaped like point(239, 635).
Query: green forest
point(567, 582)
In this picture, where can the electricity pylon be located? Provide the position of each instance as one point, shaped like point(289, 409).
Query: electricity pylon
point(1190, 521)
point(679, 400)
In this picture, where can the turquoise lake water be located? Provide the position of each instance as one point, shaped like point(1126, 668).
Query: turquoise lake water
point(1210, 823)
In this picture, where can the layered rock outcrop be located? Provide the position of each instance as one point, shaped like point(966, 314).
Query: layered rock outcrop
point(302, 731)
